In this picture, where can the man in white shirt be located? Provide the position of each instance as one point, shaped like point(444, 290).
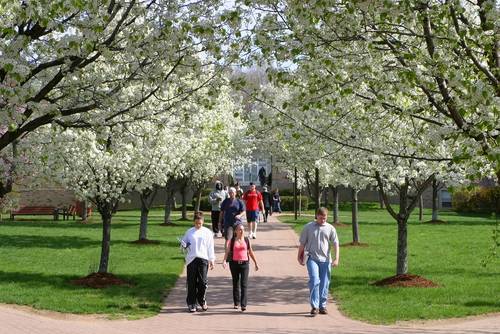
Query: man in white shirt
point(199, 243)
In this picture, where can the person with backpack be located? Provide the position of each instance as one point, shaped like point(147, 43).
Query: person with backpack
point(238, 254)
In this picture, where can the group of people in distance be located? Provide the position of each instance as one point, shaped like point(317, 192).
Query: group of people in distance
point(230, 206)
point(316, 241)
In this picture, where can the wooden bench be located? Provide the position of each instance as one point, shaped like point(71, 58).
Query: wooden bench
point(36, 211)
point(75, 210)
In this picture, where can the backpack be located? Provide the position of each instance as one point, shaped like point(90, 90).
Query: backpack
point(231, 246)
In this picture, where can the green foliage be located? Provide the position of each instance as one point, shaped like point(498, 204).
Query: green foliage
point(478, 199)
point(287, 203)
point(437, 252)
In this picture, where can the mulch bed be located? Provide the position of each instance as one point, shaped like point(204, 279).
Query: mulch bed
point(145, 242)
point(340, 225)
point(436, 222)
point(354, 244)
point(100, 280)
point(406, 281)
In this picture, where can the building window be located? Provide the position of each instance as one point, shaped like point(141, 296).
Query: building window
point(250, 172)
point(445, 199)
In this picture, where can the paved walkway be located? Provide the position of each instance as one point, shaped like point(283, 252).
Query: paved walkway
point(277, 304)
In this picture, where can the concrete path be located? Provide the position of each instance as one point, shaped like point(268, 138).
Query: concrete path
point(277, 304)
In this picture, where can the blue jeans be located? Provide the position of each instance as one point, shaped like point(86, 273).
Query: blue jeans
point(319, 282)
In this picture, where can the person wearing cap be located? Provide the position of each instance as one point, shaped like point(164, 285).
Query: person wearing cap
point(232, 209)
point(198, 241)
point(238, 253)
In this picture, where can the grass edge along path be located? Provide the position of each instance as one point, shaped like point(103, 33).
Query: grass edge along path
point(448, 254)
point(39, 258)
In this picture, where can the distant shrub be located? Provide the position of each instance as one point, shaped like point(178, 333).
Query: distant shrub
point(478, 199)
point(287, 203)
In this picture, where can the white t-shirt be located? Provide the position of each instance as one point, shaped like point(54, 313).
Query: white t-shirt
point(200, 244)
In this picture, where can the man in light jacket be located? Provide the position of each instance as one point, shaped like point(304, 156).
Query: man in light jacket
point(215, 198)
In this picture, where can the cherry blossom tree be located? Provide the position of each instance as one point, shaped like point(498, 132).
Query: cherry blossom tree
point(78, 63)
point(435, 61)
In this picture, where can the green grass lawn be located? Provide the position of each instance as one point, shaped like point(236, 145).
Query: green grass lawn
point(39, 257)
point(448, 254)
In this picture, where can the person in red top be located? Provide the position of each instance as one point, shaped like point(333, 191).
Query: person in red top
point(253, 201)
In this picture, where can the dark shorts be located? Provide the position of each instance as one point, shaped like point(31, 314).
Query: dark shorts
point(253, 216)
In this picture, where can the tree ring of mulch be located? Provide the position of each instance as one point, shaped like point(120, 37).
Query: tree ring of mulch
point(100, 281)
point(145, 242)
point(406, 281)
point(340, 225)
point(354, 244)
point(436, 222)
point(168, 224)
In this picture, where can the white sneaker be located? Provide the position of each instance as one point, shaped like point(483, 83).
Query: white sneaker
point(250, 235)
point(254, 235)
point(219, 235)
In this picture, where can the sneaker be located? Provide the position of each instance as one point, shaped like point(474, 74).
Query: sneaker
point(235, 307)
point(204, 307)
point(323, 310)
point(192, 308)
point(254, 235)
point(314, 311)
point(243, 308)
point(219, 235)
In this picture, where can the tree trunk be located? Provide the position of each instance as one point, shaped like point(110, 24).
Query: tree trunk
point(381, 201)
point(317, 199)
point(335, 191)
point(105, 210)
point(402, 219)
point(295, 193)
point(355, 226)
point(420, 208)
point(143, 229)
point(300, 202)
point(435, 200)
point(183, 200)
point(402, 248)
point(198, 199)
point(147, 197)
point(169, 201)
point(84, 210)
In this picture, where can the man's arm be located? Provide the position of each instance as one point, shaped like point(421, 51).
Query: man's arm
point(300, 255)
point(336, 260)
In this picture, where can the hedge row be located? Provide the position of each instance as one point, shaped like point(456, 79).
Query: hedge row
point(479, 199)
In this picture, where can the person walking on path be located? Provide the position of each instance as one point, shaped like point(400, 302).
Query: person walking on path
point(215, 198)
point(238, 252)
point(232, 209)
point(315, 245)
point(268, 202)
point(199, 243)
point(276, 201)
point(253, 201)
